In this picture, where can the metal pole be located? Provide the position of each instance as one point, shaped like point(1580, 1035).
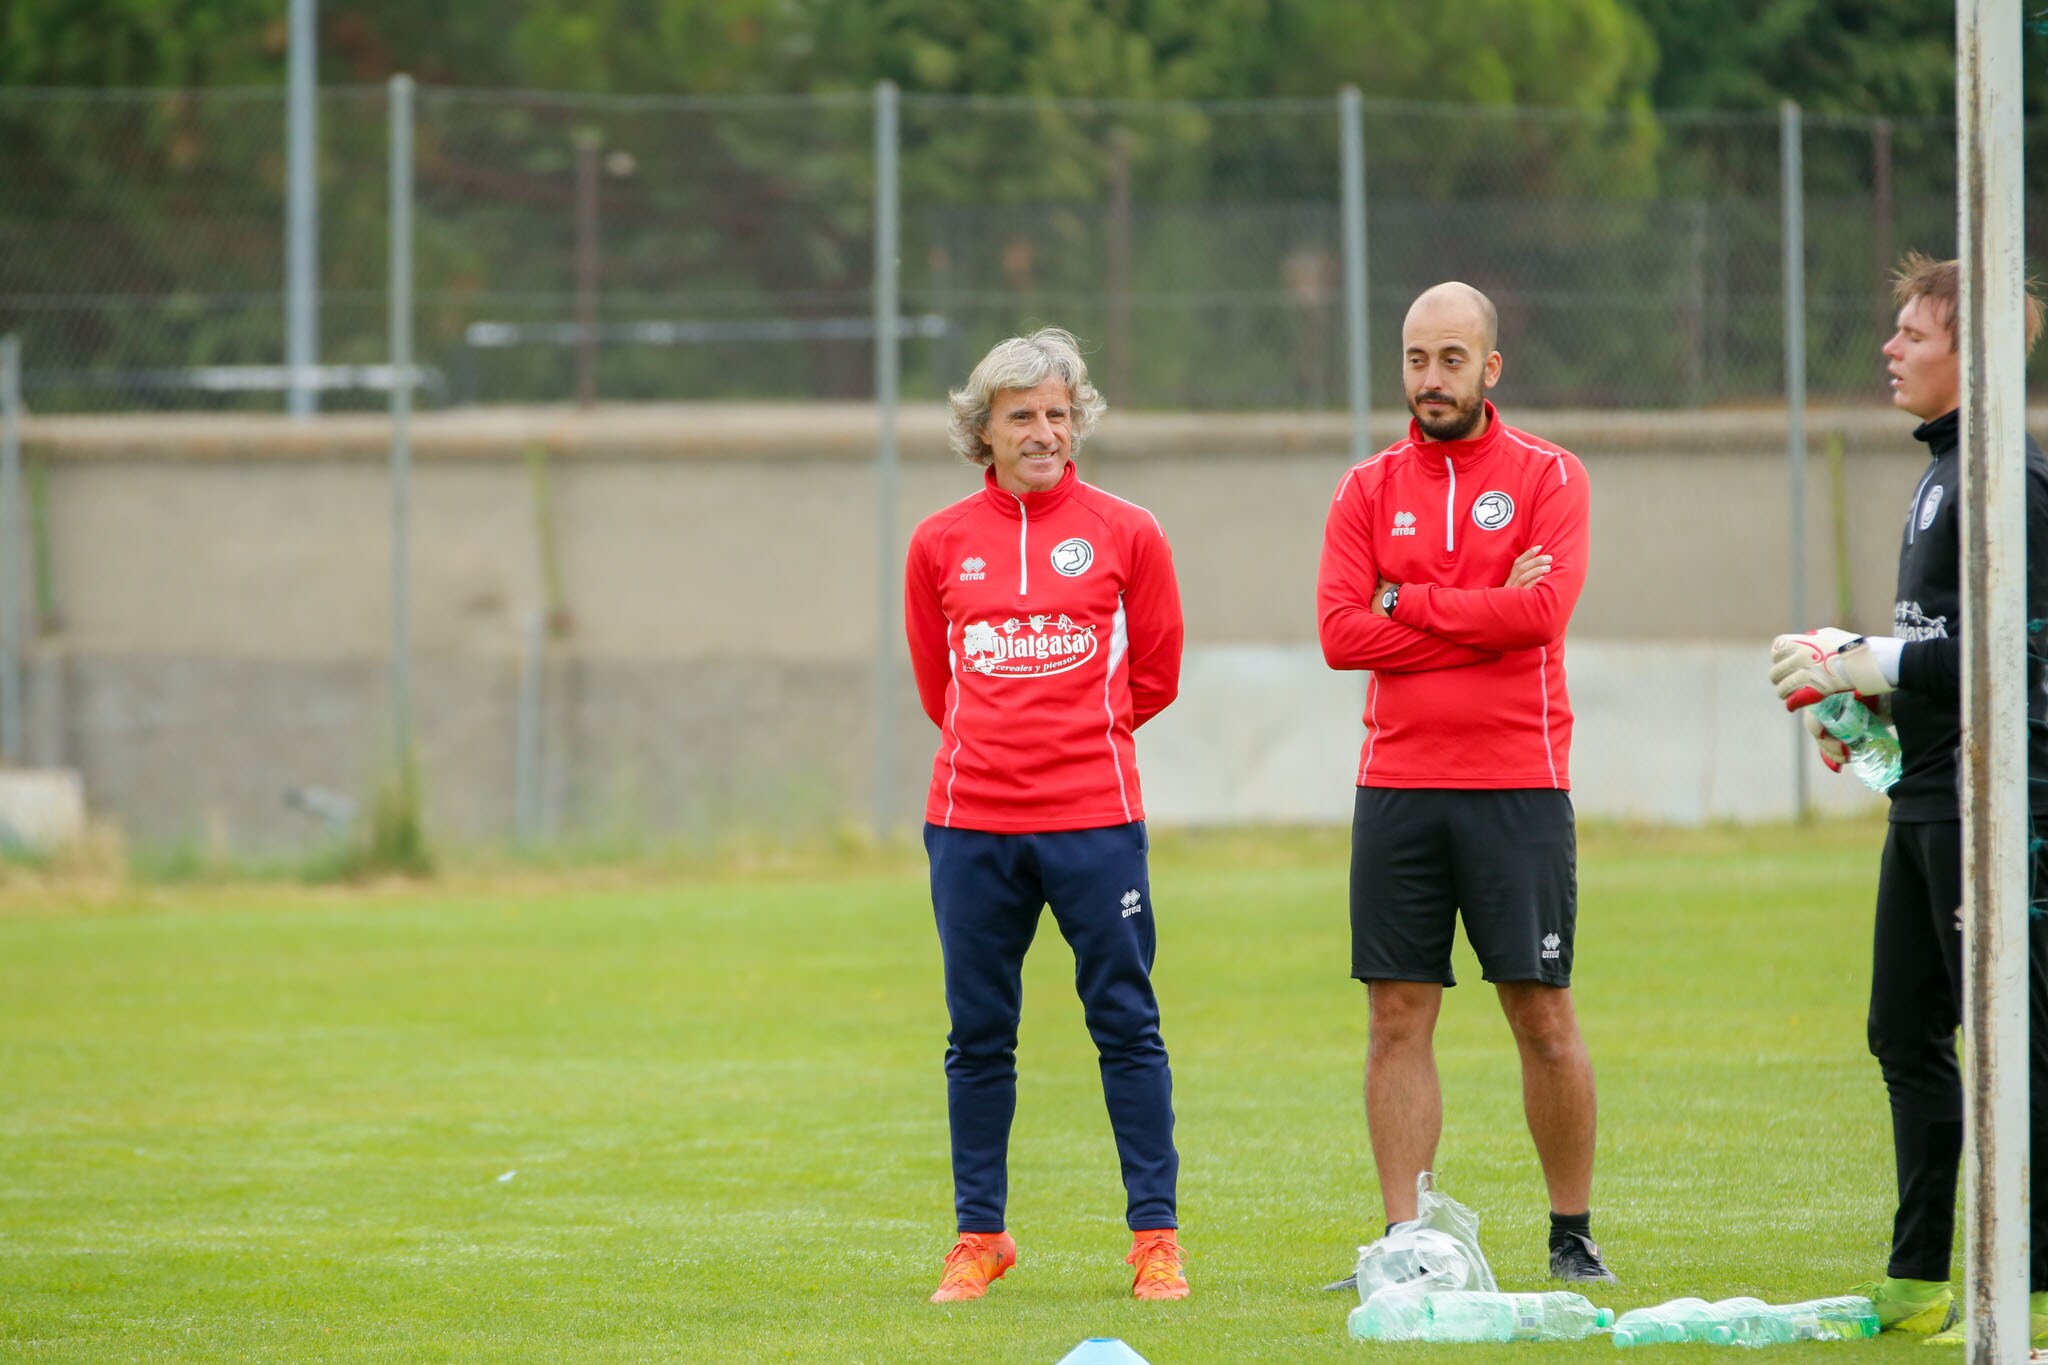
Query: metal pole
point(12, 551)
point(401, 419)
point(526, 731)
point(302, 212)
point(1989, 156)
point(889, 585)
point(1119, 262)
point(1792, 205)
point(1351, 113)
point(586, 266)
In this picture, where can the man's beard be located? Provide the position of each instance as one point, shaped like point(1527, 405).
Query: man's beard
point(1459, 423)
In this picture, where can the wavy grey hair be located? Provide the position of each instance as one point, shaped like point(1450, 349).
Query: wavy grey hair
point(1020, 363)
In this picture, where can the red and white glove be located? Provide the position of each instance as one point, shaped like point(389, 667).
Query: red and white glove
point(1805, 668)
point(1833, 752)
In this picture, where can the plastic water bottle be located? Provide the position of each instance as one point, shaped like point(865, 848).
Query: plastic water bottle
point(1873, 748)
point(1392, 1314)
point(1678, 1320)
point(1846, 1317)
point(1473, 1315)
point(1750, 1322)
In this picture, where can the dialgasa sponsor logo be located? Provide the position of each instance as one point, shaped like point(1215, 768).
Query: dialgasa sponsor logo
point(1027, 646)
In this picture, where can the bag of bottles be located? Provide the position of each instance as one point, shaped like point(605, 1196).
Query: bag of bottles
point(1436, 1211)
point(1412, 1255)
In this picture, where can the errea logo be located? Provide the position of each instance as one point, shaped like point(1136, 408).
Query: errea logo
point(1551, 943)
point(1404, 524)
point(973, 569)
point(1133, 902)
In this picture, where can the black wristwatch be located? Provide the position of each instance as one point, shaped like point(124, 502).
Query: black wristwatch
point(1390, 599)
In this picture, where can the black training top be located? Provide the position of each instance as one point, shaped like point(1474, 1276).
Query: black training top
point(1928, 615)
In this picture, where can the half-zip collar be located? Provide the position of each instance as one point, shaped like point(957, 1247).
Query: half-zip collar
point(1035, 504)
point(1445, 457)
point(1943, 435)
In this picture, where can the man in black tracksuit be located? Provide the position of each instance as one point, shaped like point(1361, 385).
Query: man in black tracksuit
point(1916, 990)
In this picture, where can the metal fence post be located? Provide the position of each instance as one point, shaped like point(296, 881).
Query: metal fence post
point(1792, 206)
point(401, 418)
point(1990, 324)
point(12, 551)
point(1351, 113)
point(302, 212)
point(888, 586)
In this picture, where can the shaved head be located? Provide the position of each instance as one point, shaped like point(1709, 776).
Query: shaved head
point(1455, 305)
point(1448, 360)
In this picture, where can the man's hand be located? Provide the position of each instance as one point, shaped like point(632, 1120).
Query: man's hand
point(1805, 668)
point(1529, 566)
point(1833, 752)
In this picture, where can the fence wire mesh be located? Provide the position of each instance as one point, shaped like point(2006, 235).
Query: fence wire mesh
point(652, 251)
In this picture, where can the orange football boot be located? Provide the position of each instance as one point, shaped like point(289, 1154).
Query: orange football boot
point(976, 1261)
point(1156, 1254)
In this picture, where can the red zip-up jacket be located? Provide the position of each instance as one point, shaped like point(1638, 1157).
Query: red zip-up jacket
point(1044, 628)
point(1467, 684)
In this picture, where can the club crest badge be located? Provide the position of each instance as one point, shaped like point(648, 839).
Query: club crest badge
point(1493, 510)
point(1071, 557)
point(1929, 506)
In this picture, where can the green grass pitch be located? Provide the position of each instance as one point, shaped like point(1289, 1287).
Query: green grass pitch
point(701, 1118)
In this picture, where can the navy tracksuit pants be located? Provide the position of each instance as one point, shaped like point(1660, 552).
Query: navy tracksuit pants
point(987, 893)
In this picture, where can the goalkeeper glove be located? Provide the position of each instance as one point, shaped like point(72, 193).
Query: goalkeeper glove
point(1807, 667)
point(1833, 752)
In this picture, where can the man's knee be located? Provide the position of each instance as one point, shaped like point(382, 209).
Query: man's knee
point(1403, 1014)
point(1542, 1019)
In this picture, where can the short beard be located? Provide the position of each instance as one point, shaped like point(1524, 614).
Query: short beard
point(1458, 426)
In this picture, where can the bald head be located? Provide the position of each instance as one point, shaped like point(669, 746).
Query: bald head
point(1448, 360)
point(1454, 306)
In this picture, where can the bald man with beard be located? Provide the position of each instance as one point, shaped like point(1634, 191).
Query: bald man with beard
point(1451, 563)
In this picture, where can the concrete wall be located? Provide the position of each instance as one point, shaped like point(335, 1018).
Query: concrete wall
point(223, 608)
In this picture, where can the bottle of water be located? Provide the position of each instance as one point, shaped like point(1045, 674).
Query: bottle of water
point(1750, 1322)
point(1873, 748)
point(1392, 1314)
point(1678, 1320)
point(1473, 1315)
point(1846, 1317)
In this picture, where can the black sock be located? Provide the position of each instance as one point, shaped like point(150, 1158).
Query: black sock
point(1562, 1223)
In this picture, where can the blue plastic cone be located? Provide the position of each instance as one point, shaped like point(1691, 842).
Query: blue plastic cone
point(1102, 1351)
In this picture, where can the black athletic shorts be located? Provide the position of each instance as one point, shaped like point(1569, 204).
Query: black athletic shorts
point(1506, 860)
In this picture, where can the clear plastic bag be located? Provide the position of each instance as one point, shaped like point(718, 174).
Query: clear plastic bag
point(1438, 1211)
point(1413, 1255)
point(1437, 1249)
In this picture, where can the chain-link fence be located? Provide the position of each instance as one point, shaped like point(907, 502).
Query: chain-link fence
point(686, 249)
point(631, 254)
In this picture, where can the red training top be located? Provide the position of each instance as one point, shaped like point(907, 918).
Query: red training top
point(1044, 628)
point(1467, 682)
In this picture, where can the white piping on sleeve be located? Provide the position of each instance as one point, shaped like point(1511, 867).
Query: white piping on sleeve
point(1372, 725)
point(1556, 456)
point(1119, 645)
point(1543, 687)
point(952, 725)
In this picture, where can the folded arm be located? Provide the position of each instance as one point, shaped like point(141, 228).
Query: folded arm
point(1353, 634)
point(1512, 618)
